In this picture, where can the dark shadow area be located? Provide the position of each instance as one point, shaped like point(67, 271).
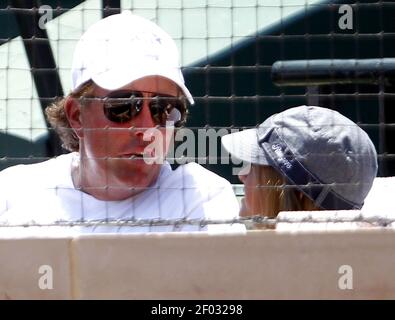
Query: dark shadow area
point(15, 150)
point(234, 87)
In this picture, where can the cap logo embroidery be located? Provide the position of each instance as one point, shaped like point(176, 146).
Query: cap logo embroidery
point(280, 156)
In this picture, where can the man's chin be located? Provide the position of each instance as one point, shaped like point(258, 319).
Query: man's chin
point(130, 165)
point(126, 189)
point(139, 160)
point(136, 175)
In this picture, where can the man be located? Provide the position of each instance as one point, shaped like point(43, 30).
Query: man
point(127, 87)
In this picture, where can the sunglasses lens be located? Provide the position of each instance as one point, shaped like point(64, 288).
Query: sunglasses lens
point(118, 114)
point(124, 107)
point(164, 110)
point(121, 110)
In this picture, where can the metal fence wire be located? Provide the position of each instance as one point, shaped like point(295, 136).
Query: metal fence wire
point(242, 60)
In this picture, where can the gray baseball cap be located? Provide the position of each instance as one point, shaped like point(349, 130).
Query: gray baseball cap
point(324, 154)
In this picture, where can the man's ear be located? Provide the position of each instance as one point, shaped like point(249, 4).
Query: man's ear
point(72, 108)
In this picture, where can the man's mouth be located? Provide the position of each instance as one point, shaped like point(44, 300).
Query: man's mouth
point(132, 156)
point(147, 153)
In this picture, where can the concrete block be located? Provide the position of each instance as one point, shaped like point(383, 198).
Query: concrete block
point(35, 268)
point(258, 265)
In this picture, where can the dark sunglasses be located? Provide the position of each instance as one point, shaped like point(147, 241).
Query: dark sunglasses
point(123, 106)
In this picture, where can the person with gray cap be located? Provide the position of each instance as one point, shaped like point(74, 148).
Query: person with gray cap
point(304, 158)
point(127, 86)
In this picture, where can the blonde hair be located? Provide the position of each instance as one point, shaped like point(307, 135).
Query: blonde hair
point(280, 195)
point(56, 116)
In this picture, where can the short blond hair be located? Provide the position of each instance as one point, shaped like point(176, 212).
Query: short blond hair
point(280, 194)
point(57, 117)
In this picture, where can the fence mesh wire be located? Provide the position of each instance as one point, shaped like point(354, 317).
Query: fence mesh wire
point(227, 50)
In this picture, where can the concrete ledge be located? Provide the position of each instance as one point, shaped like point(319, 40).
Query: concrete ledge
point(257, 265)
point(25, 264)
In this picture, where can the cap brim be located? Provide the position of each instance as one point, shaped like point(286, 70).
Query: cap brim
point(244, 146)
point(114, 78)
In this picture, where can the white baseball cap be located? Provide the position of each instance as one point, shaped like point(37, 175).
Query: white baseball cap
point(122, 48)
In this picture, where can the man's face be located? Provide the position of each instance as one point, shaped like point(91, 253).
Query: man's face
point(117, 152)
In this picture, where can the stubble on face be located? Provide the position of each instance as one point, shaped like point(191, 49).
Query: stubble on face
point(113, 154)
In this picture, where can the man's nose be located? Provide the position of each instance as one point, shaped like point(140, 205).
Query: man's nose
point(143, 122)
